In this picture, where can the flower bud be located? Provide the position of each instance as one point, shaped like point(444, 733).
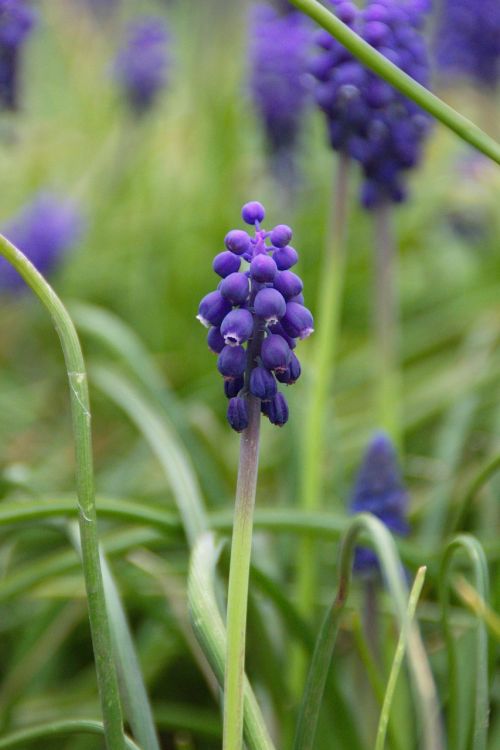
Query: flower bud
point(237, 241)
point(235, 288)
point(215, 340)
point(231, 362)
point(232, 386)
point(285, 257)
point(253, 212)
point(292, 372)
point(275, 353)
point(213, 309)
point(237, 413)
point(237, 327)
point(226, 263)
point(288, 283)
point(270, 305)
point(263, 268)
point(297, 321)
point(277, 410)
point(262, 383)
point(281, 235)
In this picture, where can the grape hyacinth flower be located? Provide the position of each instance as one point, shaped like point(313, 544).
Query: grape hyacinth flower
point(255, 317)
point(379, 489)
point(367, 119)
point(44, 230)
point(142, 66)
point(279, 45)
point(16, 21)
point(467, 40)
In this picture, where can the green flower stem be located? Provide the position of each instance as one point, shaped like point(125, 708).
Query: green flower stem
point(360, 49)
point(475, 554)
point(80, 407)
point(386, 324)
point(470, 495)
point(239, 570)
point(328, 320)
point(57, 729)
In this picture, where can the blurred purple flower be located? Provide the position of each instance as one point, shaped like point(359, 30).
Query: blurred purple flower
point(467, 40)
point(379, 489)
point(278, 61)
point(16, 21)
point(43, 230)
point(142, 66)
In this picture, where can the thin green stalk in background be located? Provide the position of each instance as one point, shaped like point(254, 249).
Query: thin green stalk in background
point(386, 325)
point(239, 570)
point(390, 563)
point(57, 729)
point(398, 658)
point(369, 56)
point(475, 554)
point(328, 322)
point(80, 407)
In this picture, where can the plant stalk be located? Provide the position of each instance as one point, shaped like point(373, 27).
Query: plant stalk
point(80, 408)
point(237, 599)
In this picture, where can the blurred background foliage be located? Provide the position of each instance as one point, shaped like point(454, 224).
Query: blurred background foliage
point(158, 193)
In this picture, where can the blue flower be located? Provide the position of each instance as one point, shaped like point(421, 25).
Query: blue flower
point(16, 21)
point(379, 489)
point(43, 230)
point(257, 307)
point(142, 66)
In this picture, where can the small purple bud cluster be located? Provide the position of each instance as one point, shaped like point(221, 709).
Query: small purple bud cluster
point(43, 230)
point(379, 490)
point(259, 306)
point(16, 21)
point(278, 58)
point(142, 66)
point(467, 40)
point(368, 119)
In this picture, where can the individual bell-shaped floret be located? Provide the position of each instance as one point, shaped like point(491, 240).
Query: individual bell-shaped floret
point(281, 235)
point(231, 362)
point(263, 268)
point(270, 305)
point(213, 309)
point(288, 284)
point(262, 383)
point(253, 212)
point(215, 340)
point(277, 410)
point(235, 288)
point(226, 263)
point(237, 327)
point(285, 257)
point(297, 321)
point(292, 372)
point(237, 413)
point(232, 386)
point(275, 353)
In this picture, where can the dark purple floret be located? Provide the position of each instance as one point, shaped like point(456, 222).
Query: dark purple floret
point(288, 283)
point(278, 56)
point(379, 489)
point(142, 66)
point(254, 348)
point(17, 19)
point(367, 119)
point(237, 413)
point(297, 321)
point(44, 231)
point(467, 40)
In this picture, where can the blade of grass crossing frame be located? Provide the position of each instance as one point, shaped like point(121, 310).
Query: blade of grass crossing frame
point(57, 729)
point(398, 658)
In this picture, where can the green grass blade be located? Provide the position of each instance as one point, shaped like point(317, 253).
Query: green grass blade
point(210, 632)
point(56, 729)
point(398, 658)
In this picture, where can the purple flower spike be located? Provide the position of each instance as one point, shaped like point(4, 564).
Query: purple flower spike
point(226, 263)
point(235, 288)
point(297, 321)
point(254, 348)
point(288, 284)
point(285, 257)
point(237, 414)
point(270, 305)
point(16, 22)
point(44, 231)
point(275, 353)
point(237, 327)
point(213, 309)
point(262, 383)
point(231, 362)
point(141, 67)
point(253, 212)
point(379, 490)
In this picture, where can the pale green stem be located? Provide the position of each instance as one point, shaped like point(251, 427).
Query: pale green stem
point(327, 324)
point(80, 408)
point(360, 49)
point(386, 326)
point(237, 598)
point(57, 729)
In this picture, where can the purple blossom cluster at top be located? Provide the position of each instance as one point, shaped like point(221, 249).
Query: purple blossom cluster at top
point(16, 21)
point(260, 307)
point(142, 66)
point(43, 230)
point(367, 118)
point(278, 62)
point(467, 40)
point(379, 490)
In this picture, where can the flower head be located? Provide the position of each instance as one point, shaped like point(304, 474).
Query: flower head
point(379, 489)
point(278, 56)
point(44, 230)
point(16, 21)
point(142, 66)
point(467, 40)
point(254, 318)
point(368, 119)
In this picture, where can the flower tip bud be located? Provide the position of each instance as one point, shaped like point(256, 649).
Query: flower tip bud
point(253, 212)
